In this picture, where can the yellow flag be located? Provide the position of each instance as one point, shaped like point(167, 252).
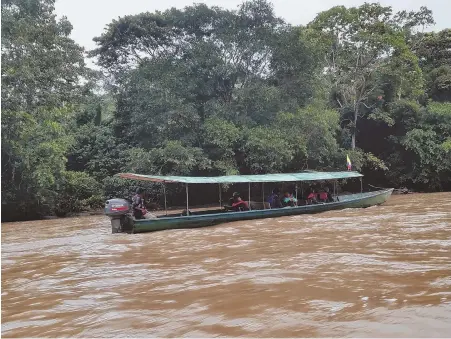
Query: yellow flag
point(348, 162)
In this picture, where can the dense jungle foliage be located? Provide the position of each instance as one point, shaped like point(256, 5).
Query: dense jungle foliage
point(210, 91)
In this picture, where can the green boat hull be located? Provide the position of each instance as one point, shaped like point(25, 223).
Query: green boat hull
point(359, 200)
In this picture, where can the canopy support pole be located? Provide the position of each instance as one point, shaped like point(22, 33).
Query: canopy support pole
point(220, 197)
point(361, 185)
point(165, 201)
point(249, 196)
point(187, 213)
point(296, 196)
point(263, 195)
point(335, 188)
point(302, 191)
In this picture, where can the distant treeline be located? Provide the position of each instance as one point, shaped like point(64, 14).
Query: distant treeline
point(210, 91)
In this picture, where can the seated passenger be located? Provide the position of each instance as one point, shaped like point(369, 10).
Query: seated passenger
point(322, 196)
point(330, 198)
point(289, 200)
point(274, 199)
point(312, 198)
point(228, 207)
point(239, 204)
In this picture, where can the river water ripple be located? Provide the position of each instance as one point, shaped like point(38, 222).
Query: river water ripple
point(383, 271)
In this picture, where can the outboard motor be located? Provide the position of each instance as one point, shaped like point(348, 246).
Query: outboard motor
point(119, 212)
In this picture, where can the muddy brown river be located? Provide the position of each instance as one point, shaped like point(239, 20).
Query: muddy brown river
point(383, 271)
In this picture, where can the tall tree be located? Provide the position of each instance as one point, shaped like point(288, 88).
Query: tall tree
point(434, 53)
point(433, 49)
point(41, 69)
point(357, 44)
point(178, 68)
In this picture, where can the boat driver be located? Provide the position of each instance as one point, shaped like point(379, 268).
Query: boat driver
point(138, 204)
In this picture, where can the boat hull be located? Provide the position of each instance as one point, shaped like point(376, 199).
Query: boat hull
point(360, 200)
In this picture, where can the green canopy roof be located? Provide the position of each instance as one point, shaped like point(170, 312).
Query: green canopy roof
point(230, 179)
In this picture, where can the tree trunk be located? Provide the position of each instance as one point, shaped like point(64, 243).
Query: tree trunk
point(98, 116)
point(354, 129)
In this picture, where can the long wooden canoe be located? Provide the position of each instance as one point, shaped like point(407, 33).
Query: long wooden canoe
point(214, 217)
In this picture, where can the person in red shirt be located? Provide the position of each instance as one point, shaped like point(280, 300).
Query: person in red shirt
point(322, 196)
point(325, 196)
point(238, 203)
point(312, 197)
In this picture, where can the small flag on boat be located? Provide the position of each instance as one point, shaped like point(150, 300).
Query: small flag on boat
point(348, 163)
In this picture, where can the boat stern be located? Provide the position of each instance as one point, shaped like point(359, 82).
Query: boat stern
point(118, 210)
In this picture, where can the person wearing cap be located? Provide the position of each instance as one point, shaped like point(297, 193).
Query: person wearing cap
point(239, 204)
point(138, 204)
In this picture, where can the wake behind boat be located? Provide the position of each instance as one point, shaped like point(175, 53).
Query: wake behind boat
point(119, 210)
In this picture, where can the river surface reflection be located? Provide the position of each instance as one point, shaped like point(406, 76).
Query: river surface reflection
point(383, 271)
